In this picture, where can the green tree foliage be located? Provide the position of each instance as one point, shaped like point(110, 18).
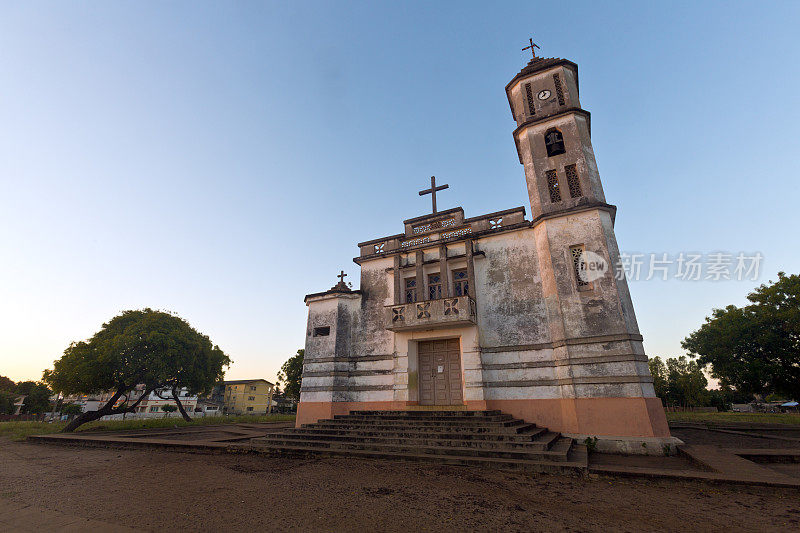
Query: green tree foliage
point(37, 397)
point(8, 395)
point(754, 349)
point(71, 409)
point(168, 408)
point(660, 378)
point(153, 348)
point(679, 382)
point(7, 402)
point(291, 374)
point(7, 384)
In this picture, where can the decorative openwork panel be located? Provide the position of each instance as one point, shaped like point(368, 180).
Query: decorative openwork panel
point(559, 89)
point(414, 242)
point(457, 233)
point(573, 182)
point(398, 314)
point(425, 228)
point(423, 310)
point(529, 96)
point(552, 186)
point(577, 260)
point(496, 223)
point(451, 307)
point(379, 247)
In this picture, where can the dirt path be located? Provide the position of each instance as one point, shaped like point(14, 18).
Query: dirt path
point(156, 490)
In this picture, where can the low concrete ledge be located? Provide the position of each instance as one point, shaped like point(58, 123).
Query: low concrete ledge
point(631, 445)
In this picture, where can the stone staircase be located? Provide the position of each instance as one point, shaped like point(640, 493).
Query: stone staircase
point(473, 438)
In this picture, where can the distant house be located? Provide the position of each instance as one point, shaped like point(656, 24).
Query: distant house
point(153, 402)
point(283, 404)
point(209, 406)
point(248, 396)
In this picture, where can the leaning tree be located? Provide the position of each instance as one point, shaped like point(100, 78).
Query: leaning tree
point(158, 350)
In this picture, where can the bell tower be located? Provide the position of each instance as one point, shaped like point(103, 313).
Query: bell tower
point(601, 366)
point(553, 137)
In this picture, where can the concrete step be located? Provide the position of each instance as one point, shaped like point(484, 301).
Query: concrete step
point(420, 441)
point(411, 433)
point(512, 423)
point(576, 466)
point(299, 441)
point(426, 414)
point(448, 419)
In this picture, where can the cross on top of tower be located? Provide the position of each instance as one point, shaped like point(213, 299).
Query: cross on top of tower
point(432, 191)
point(341, 276)
point(532, 47)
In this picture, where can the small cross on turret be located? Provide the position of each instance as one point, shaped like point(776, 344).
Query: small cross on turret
point(341, 286)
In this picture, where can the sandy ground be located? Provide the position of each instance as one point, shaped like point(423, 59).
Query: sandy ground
point(185, 492)
point(730, 440)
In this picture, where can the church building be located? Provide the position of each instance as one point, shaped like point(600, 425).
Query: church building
point(513, 311)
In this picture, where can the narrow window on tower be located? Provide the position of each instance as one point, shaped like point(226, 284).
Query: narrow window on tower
point(552, 186)
point(322, 331)
point(529, 95)
point(579, 267)
point(434, 286)
point(460, 282)
point(411, 290)
point(559, 89)
point(573, 182)
point(554, 142)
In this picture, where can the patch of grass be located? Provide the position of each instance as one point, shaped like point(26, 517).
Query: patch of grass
point(724, 418)
point(21, 430)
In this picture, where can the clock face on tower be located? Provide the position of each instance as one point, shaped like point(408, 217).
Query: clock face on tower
point(543, 95)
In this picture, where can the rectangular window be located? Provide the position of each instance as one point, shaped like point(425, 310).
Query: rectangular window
point(559, 89)
point(252, 387)
point(249, 408)
point(552, 186)
point(322, 331)
point(251, 398)
point(573, 182)
point(411, 290)
point(434, 286)
point(529, 96)
point(578, 266)
point(460, 282)
point(153, 408)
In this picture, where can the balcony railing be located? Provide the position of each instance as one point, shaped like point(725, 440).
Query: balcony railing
point(430, 314)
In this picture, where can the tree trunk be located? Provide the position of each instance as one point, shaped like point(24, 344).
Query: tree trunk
point(107, 409)
point(180, 406)
point(88, 416)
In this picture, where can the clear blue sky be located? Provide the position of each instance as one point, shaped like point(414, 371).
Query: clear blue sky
point(222, 159)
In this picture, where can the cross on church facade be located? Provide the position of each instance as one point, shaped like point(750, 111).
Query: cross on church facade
point(341, 276)
point(432, 191)
point(531, 47)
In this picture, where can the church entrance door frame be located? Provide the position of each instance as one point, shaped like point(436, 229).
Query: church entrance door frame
point(440, 375)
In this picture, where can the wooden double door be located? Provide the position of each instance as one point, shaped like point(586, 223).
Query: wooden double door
point(440, 373)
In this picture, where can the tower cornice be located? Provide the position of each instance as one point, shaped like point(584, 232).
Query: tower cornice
point(540, 64)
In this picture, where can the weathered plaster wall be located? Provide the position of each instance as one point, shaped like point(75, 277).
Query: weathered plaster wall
point(508, 285)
